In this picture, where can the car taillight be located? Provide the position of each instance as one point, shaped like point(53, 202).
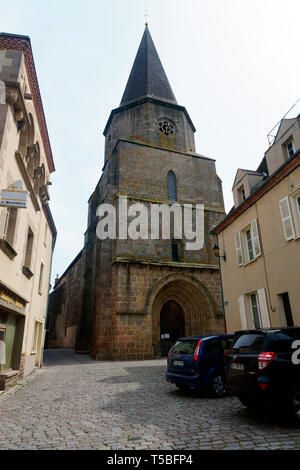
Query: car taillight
point(197, 350)
point(171, 349)
point(263, 386)
point(265, 358)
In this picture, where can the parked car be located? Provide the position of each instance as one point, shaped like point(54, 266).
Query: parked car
point(259, 369)
point(198, 362)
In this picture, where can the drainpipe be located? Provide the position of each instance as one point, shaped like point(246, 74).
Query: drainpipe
point(273, 309)
point(221, 282)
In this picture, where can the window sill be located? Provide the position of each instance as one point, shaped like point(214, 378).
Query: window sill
point(250, 262)
point(27, 272)
point(6, 247)
point(296, 237)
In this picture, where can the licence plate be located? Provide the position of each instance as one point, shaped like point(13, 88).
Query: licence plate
point(236, 366)
point(178, 363)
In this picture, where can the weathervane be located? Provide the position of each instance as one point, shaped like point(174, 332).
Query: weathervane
point(146, 17)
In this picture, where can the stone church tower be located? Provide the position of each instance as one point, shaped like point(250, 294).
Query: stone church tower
point(139, 296)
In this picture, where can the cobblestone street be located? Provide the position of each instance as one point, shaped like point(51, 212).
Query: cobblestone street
point(76, 403)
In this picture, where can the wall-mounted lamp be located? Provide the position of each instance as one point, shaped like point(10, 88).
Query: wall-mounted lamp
point(216, 251)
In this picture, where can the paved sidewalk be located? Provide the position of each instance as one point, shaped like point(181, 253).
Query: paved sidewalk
point(77, 403)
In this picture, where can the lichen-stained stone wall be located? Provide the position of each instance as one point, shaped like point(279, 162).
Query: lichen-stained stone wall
point(124, 272)
point(128, 282)
point(140, 292)
point(65, 307)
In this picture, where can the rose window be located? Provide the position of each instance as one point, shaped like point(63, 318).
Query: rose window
point(166, 127)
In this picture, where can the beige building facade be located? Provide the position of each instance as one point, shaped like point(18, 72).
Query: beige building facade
point(259, 240)
point(27, 235)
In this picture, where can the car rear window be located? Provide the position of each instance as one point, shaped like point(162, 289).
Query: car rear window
point(248, 343)
point(184, 347)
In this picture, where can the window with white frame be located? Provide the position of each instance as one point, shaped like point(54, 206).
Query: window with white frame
point(247, 244)
point(241, 194)
point(298, 205)
point(290, 149)
point(255, 310)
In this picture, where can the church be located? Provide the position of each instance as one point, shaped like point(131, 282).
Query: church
point(134, 298)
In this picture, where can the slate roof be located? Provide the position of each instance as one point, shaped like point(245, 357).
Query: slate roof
point(147, 77)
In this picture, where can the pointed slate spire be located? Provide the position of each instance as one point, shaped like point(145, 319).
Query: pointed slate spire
point(147, 77)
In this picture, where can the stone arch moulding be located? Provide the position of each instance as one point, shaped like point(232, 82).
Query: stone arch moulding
point(193, 297)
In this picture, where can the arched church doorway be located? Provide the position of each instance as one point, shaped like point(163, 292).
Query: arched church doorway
point(193, 304)
point(172, 325)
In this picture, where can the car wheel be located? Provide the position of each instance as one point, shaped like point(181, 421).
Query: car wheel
point(183, 388)
point(294, 404)
point(216, 386)
point(252, 403)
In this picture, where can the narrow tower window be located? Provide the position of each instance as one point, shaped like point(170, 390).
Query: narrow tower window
point(41, 278)
point(175, 256)
point(29, 245)
point(10, 224)
point(172, 189)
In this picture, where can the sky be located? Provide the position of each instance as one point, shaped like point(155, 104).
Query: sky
point(234, 65)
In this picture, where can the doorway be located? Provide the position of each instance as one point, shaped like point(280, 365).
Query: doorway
point(8, 326)
point(172, 325)
point(287, 311)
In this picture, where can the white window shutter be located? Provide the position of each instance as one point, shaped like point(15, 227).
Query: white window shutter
point(263, 308)
point(239, 249)
point(255, 238)
point(286, 218)
point(243, 314)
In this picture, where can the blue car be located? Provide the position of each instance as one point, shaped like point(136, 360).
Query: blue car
point(198, 362)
